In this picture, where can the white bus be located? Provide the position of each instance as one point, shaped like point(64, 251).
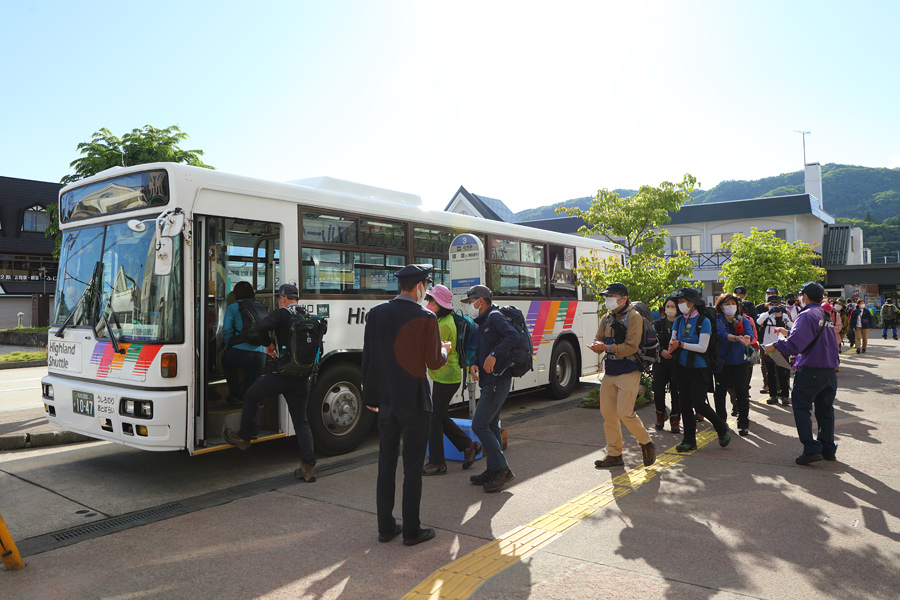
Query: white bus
point(151, 253)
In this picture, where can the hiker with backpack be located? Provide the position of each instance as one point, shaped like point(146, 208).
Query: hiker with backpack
point(777, 378)
point(860, 323)
point(815, 384)
point(695, 345)
point(242, 316)
point(663, 370)
point(737, 340)
point(444, 383)
point(287, 379)
point(619, 336)
point(493, 372)
point(889, 318)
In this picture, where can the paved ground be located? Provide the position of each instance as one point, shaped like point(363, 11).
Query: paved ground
point(725, 523)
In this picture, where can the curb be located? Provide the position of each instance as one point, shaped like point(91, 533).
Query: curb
point(19, 441)
point(24, 363)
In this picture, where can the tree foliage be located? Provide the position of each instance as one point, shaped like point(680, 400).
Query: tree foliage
point(761, 260)
point(138, 147)
point(635, 223)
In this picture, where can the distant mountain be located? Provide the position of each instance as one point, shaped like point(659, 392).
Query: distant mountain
point(850, 191)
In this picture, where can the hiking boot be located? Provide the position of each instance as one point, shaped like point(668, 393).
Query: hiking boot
point(765, 390)
point(857, 350)
point(306, 473)
point(470, 453)
point(234, 439)
point(895, 337)
point(785, 401)
point(884, 337)
point(648, 452)
point(483, 478)
point(661, 416)
point(772, 400)
point(609, 461)
point(743, 431)
point(499, 480)
point(725, 438)
point(675, 423)
point(434, 469)
point(864, 350)
point(805, 459)
point(685, 447)
point(831, 457)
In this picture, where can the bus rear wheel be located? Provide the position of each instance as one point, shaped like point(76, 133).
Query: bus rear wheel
point(563, 366)
point(337, 416)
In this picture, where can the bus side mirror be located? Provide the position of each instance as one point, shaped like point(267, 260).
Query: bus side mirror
point(164, 249)
point(169, 224)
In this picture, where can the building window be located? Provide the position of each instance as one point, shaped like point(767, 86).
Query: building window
point(718, 239)
point(688, 243)
point(718, 288)
point(36, 219)
point(781, 234)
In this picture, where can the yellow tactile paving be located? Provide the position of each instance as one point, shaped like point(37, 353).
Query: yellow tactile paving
point(459, 579)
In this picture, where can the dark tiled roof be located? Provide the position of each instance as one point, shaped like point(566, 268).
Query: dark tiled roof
point(490, 208)
point(16, 196)
point(797, 204)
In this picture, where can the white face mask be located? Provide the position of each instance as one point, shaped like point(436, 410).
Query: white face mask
point(473, 312)
point(420, 296)
point(612, 303)
point(729, 310)
point(683, 307)
point(671, 312)
point(838, 306)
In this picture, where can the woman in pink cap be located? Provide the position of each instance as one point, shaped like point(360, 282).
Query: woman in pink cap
point(445, 382)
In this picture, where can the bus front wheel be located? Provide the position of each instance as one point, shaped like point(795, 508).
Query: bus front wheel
point(337, 416)
point(563, 366)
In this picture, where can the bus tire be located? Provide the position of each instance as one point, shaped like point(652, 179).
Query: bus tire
point(337, 416)
point(563, 367)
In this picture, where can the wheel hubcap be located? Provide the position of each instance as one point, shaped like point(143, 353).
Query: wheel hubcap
point(341, 409)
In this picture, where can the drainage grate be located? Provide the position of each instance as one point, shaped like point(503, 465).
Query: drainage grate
point(117, 522)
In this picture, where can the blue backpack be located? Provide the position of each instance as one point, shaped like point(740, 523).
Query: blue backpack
point(523, 351)
point(465, 339)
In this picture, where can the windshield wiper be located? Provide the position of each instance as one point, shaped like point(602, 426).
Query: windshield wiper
point(91, 285)
point(112, 336)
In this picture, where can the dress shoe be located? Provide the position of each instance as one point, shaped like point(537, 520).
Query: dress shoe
point(805, 459)
point(424, 536)
point(386, 537)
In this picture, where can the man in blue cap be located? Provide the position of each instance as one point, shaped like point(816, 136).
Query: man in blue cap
point(815, 383)
point(402, 341)
point(294, 389)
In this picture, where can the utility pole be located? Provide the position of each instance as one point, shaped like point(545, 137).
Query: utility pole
point(804, 134)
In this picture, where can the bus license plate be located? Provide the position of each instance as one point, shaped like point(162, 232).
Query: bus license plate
point(83, 403)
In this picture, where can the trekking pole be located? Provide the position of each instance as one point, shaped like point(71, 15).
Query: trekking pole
point(8, 551)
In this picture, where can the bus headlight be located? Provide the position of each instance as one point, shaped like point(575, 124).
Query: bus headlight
point(169, 365)
point(47, 391)
point(139, 409)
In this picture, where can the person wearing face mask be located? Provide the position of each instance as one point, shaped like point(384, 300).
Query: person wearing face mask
point(736, 334)
point(493, 357)
point(860, 323)
point(815, 383)
point(845, 308)
point(692, 332)
point(662, 371)
point(889, 317)
point(444, 383)
point(774, 319)
point(402, 340)
point(619, 336)
point(748, 309)
point(792, 306)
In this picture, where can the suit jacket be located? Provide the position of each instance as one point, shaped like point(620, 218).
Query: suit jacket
point(402, 341)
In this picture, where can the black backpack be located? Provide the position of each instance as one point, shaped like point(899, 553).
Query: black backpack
point(305, 346)
point(523, 351)
point(465, 339)
point(648, 348)
point(252, 314)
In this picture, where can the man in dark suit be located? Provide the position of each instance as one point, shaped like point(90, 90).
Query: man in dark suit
point(402, 341)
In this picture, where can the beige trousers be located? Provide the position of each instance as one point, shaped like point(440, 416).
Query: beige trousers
point(617, 396)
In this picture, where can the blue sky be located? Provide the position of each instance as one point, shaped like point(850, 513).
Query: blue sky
point(529, 102)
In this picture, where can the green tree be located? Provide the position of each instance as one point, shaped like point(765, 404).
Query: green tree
point(138, 147)
point(635, 223)
point(761, 260)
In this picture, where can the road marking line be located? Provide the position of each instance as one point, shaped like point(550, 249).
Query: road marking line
point(459, 579)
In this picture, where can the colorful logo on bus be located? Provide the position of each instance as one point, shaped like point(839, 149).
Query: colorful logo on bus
point(131, 365)
point(543, 317)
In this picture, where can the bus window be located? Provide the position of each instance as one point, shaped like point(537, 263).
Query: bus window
point(431, 240)
point(379, 234)
point(341, 272)
point(562, 272)
point(515, 280)
point(329, 229)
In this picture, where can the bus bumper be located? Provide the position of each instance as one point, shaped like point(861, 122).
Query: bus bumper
point(145, 419)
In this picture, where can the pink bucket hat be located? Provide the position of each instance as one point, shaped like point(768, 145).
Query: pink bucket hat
point(442, 296)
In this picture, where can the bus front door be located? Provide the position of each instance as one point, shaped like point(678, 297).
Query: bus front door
point(230, 251)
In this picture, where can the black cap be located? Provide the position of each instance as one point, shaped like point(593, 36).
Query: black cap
point(774, 299)
point(790, 296)
point(740, 290)
point(414, 273)
point(771, 290)
point(813, 291)
point(689, 294)
point(615, 288)
point(289, 291)
point(478, 291)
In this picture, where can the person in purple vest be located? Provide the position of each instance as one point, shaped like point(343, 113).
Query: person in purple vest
point(815, 383)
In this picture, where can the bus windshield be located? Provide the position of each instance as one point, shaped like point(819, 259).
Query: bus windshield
point(137, 305)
